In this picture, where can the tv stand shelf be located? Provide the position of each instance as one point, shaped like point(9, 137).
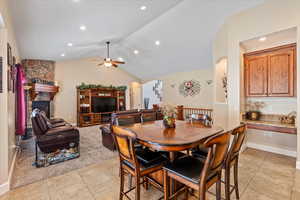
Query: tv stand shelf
point(91, 101)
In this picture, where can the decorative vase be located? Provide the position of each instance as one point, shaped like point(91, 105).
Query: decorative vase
point(253, 115)
point(169, 122)
point(146, 102)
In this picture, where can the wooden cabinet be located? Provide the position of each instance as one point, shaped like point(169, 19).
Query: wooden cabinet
point(271, 72)
point(87, 116)
point(256, 76)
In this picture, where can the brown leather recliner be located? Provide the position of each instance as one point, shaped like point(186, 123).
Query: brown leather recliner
point(52, 135)
point(107, 138)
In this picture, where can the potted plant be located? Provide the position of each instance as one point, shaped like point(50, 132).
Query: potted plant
point(169, 112)
point(253, 110)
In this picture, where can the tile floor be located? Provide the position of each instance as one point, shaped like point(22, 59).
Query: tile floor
point(262, 176)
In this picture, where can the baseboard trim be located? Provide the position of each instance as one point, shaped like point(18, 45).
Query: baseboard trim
point(298, 165)
point(272, 149)
point(12, 167)
point(4, 188)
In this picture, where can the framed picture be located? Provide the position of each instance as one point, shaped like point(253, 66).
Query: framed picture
point(1, 75)
point(9, 55)
point(13, 73)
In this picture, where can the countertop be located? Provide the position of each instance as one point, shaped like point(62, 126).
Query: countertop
point(270, 123)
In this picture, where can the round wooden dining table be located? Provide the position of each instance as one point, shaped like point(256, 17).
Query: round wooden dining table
point(185, 136)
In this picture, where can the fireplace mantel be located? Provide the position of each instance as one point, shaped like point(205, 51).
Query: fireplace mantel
point(36, 88)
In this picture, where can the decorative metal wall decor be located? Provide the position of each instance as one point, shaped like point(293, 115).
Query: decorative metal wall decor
point(13, 77)
point(157, 89)
point(9, 55)
point(209, 82)
point(224, 81)
point(189, 88)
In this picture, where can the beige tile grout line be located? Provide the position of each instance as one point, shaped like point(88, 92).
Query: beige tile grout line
point(86, 185)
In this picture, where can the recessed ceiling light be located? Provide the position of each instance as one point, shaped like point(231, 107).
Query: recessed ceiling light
point(83, 28)
point(262, 39)
point(143, 8)
point(70, 44)
point(136, 52)
point(76, 1)
point(120, 59)
point(62, 55)
point(157, 42)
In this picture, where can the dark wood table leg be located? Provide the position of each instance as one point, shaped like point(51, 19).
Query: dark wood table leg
point(172, 156)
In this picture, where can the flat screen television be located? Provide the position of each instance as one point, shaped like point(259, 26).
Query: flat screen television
point(107, 104)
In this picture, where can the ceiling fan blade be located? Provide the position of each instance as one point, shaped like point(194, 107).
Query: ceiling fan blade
point(118, 62)
point(100, 64)
point(114, 65)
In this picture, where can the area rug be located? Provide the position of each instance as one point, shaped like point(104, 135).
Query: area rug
point(91, 152)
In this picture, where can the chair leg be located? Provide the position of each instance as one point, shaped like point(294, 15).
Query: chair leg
point(129, 181)
point(202, 194)
point(146, 183)
point(227, 182)
point(186, 195)
point(36, 154)
point(236, 183)
point(122, 183)
point(218, 188)
point(137, 187)
point(166, 185)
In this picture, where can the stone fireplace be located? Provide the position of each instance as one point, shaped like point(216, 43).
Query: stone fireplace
point(42, 70)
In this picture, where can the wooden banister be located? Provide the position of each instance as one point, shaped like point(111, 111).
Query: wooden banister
point(183, 112)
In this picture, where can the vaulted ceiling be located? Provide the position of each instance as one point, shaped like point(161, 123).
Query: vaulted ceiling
point(185, 29)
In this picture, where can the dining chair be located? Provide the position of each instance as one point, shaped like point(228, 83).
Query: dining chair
point(147, 117)
point(232, 159)
point(198, 175)
point(139, 163)
point(124, 120)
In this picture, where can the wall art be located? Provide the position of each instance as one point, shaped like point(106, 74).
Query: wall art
point(189, 88)
point(9, 55)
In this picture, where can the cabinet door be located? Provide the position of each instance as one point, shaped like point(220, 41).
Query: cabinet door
point(281, 73)
point(256, 80)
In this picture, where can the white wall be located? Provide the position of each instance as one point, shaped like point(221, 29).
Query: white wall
point(69, 74)
point(7, 99)
point(149, 93)
point(135, 96)
point(272, 16)
point(220, 73)
point(172, 82)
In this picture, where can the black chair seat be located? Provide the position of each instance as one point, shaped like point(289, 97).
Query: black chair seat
point(188, 168)
point(147, 159)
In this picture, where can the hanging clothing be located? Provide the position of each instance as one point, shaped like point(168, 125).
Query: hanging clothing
point(20, 101)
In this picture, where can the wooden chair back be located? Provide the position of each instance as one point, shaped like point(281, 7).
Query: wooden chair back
point(125, 140)
point(124, 120)
point(147, 117)
point(239, 134)
point(217, 151)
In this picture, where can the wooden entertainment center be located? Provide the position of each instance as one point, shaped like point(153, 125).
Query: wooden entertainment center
point(89, 114)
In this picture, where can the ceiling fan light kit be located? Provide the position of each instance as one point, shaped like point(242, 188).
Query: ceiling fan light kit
point(108, 62)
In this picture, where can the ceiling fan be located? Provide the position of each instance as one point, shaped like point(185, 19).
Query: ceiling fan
point(108, 62)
